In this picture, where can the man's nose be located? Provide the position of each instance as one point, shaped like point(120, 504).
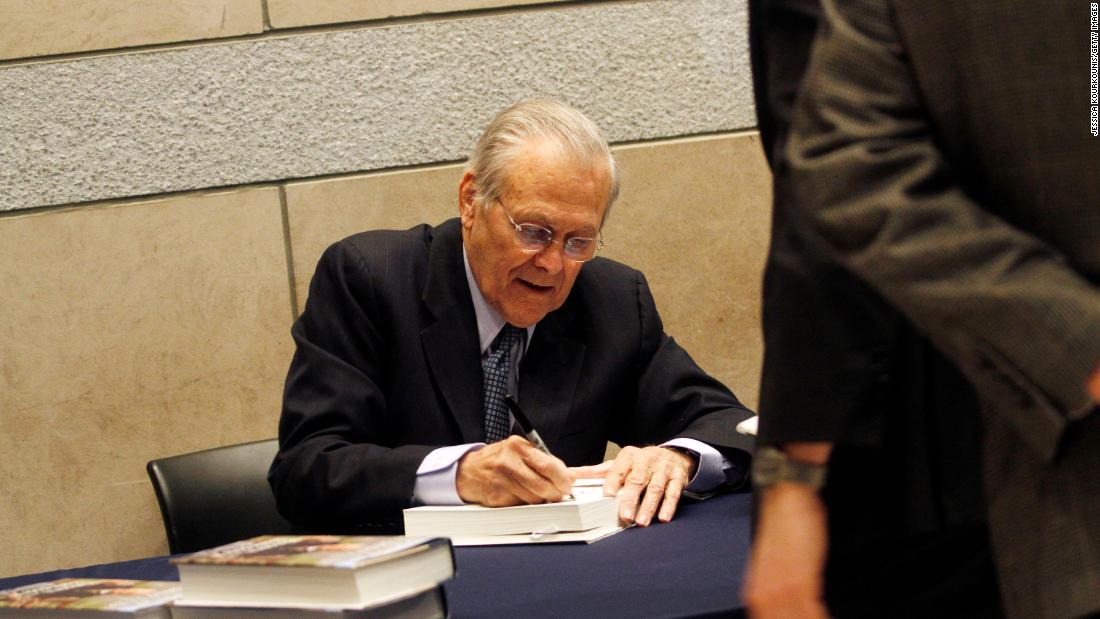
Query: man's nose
point(551, 258)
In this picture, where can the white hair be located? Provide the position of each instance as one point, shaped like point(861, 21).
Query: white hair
point(531, 120)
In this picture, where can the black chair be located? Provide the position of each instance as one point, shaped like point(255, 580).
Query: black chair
point(216, 496)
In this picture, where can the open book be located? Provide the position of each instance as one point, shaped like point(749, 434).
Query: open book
point(585, 517)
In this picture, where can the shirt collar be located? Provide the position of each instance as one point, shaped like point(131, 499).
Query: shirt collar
point(489, 321)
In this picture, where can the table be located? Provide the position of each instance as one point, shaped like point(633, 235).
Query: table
point(690, 567)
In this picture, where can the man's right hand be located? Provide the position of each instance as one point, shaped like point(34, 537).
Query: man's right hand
point(786, 570)
point(511, 472)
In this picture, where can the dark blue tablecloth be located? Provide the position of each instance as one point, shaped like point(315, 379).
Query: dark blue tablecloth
point(692, 566)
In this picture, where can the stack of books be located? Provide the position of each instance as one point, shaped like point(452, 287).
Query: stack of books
point(268, 577)
point(306, 576)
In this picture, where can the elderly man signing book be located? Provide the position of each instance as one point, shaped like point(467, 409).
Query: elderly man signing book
point(411, 340)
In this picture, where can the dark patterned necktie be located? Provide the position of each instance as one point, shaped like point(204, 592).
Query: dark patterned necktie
point(494, 371)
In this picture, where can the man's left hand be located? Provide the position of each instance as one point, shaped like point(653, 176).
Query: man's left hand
point(658, 473)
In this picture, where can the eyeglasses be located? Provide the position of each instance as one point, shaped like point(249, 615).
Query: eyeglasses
point(533, 238)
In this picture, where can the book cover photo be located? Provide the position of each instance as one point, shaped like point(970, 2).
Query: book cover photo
point(107, 597)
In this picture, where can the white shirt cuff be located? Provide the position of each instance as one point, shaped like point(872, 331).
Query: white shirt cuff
point(435, 477)
point(711, 470)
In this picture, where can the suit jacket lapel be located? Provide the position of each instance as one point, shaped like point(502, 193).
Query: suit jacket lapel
point(451, 342)
point(549, 373)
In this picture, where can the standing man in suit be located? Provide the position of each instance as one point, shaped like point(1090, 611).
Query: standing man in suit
point(935, 156)
point(409, 340)
point(902, 419)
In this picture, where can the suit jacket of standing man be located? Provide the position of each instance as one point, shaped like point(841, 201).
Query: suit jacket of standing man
point(388, 369)
point(901, 417)
point(941, 151)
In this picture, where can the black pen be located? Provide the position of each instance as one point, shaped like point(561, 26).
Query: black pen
point(528, 430)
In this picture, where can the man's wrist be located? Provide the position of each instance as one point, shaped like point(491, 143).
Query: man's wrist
point(772, 466)
point(1093, 385)
point(437, 476)
point(691, 458)
point(814, 453)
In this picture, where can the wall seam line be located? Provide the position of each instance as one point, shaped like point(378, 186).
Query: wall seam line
point(266, 15)
point(289, 251)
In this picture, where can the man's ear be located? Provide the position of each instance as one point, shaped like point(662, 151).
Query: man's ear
point(467, 201)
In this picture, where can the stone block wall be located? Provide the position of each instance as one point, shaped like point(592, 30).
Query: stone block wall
point(170, 171)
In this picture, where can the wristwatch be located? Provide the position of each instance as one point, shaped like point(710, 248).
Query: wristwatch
point(771, 466)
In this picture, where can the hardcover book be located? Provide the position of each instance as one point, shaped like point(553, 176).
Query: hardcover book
point(586, 516)
point(430, 604)
point(93, 598)
point(324, 572)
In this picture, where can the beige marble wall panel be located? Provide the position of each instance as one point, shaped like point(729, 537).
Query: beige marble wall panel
point(323, 212)
point(130, 332)
point(291, 13)
point(41, 27)
point(694, 216)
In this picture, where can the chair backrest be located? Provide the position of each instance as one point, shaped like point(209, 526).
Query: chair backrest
point(216, 496)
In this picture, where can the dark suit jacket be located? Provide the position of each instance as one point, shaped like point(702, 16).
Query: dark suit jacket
point(388, 368)
point(940, 151)
point(842, 366)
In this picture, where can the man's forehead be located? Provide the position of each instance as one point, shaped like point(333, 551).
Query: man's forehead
point(535, 167)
